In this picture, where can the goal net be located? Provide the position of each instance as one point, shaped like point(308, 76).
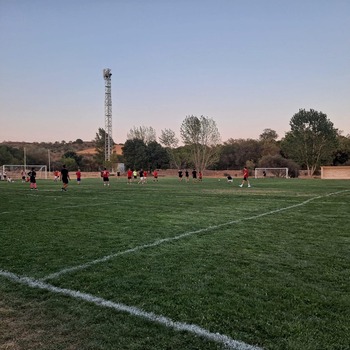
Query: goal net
point(16, 171)
point(271, 172)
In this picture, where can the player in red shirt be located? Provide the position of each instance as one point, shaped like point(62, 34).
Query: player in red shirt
point(105, 176)
point(57, 175)
point(78, 174)
point(129, 175)
point(245, 177)
point(155, 176)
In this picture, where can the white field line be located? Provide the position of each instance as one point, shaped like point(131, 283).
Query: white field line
point(183, 235)
point(134, 311)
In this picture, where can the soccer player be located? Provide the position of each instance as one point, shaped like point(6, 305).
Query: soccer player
point(57, 175)
point(129, 175)
point(64, 177)
point(155, 176)
point(23, 176)
point(105, 176)
point(187, 175)
point(180, 174)
point(245, 177)
point(194, 175)
point(78, 174)
point(142, 179)
point(32, 175)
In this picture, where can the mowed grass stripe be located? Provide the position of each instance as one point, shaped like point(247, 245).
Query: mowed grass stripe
point(178, 237)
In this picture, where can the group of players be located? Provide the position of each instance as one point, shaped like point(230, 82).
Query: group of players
point(63, 176)
point(132, 175)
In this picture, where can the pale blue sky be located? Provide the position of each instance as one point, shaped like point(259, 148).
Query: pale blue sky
point(249, 65)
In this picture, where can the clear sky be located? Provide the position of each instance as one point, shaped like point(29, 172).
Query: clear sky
point(248, 64)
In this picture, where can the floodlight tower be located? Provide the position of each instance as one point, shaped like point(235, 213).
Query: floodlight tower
point(108, 113)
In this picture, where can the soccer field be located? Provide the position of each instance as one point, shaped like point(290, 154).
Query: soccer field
point(173, 265)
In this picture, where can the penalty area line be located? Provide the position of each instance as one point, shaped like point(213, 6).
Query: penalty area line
point(132, 310)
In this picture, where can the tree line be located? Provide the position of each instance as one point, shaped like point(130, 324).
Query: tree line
point(312, 141)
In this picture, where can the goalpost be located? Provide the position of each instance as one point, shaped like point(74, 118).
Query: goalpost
point(14, 171)
point(271, 172)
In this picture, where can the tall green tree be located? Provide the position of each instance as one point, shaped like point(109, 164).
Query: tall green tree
point(10, 155)
point(269, 144)
point(235, 153)
point(135, 154)
point(312, 140)
point(158, 157)
point(100, 142)
point(203, 137)
point(342, 154)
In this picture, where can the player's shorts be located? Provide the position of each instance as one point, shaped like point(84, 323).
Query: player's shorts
point(245, 178)
point(65, 180)
point(129, 177)
point(105, 179)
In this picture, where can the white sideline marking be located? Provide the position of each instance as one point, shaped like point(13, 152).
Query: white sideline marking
point(169, 239)
point(132, 310)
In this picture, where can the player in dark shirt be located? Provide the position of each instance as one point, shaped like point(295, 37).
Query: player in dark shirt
point(32, 175)
point(64, 177)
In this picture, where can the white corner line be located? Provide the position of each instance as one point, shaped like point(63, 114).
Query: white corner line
point(134, 311)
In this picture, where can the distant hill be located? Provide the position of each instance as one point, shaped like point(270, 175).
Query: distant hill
point(58, 149)
point(91, 151)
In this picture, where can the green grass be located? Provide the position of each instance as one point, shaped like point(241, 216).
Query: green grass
point(278, 281)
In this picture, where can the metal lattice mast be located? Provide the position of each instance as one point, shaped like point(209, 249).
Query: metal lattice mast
point(108, 113)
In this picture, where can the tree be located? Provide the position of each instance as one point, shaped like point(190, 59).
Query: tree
point(268, 135)
point(269, 144)
point(100, 142)
point(202, 136)
point(75, 156)
point(135, 154)
point(342, 154)
point(145, 133)
point(158, 157)
point(235, 153)
point(70, 163)
point(10, 155)
point(170, 141)
point(311, 141)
